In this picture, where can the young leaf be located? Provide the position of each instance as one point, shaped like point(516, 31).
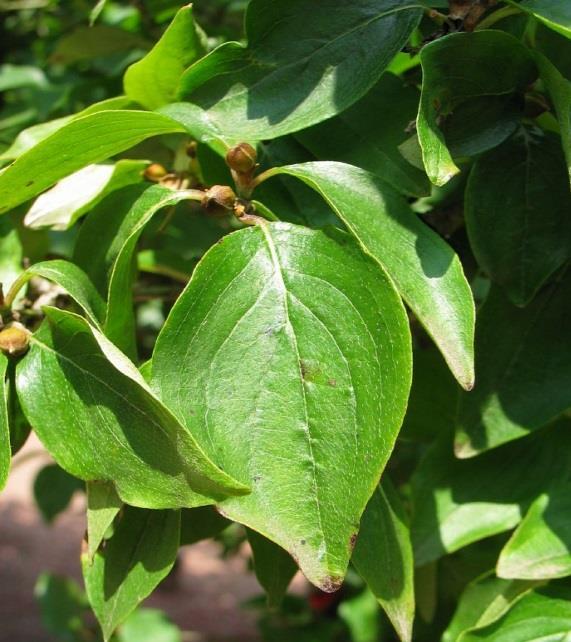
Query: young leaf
point(148, 625)
point(53, 490)
point(288, 354)
point(555, 14)
point(81, 142)
point(5, 449)
point(359, 137)
point(459, 68)
point(559, 89)
point(71, 278)
point(426, 271)
point(103, 504)
point(457, 502)
point(273, 567)
point(523, 368)
point(484, 601)
point(140, 554)
point(383, 558)
point(153, 81)
point(541, 615)
point(200, 523)
point(296, 71)
point(517, 214)
point(540, 548)
point(11, 255)
point(61, 206)
point(110, 426)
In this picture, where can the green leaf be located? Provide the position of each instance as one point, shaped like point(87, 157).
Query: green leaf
point(484, 601)
point(153, 81)
point(33, 135)
point(426, 271)
point(110, 427)
point(359, 137)
point(86, 43)
point(559, 89)
point(457, 502)
point(91, 138)
point(361, 615)
point(543, 615)
point(555, 14)
point(383, 558)
point(71, 278)
point(53, 490)
point(5, 448)
point(11, 255)
point(61, 206)
point(460, 68)
point(200, 523)
point(62, 606)
point(296, 71)
point(103, 504)
point(517, 214)
point(540, 548)
point(140, 554)
point(148, 625)
point(273, 567)
point(288, 354)
point(523, 369)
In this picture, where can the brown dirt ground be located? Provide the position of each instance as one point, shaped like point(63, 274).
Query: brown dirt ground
point(203, 600)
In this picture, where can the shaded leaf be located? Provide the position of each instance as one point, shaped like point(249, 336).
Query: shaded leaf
point(140, 554)
point(153, 81)
point(426, 271)
point(86, 43)
point(62, 606)
point(110, 425)
point(103, 504)
point(53, 490)
point(523, 369)
point(200, 523)
point(288, 354)
point(5, 448)
point(383, 557)
point(91, 139)
point(517, 214)
point(296, 71)
point(555, 14)
point(463, 67)
point(540, 548)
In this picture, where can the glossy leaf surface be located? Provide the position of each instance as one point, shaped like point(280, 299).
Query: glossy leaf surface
point(263, 358)
point(140, 554)
point(426, 271)
point(523, 369)
point(114, 428)
point(555, 14)
point(327, 55)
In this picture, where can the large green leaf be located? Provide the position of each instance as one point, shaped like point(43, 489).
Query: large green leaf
point(484, 601)
point(457, 502)
point(523, 369)
point(273, 567)
point(82, 141)
point(460, 68)
point(288, 355)
point(359, 137)
point(5, 448)
point(540, 548)
point(306, 60)
point(140, 554)
point(153, 81)
point(556, 14)
point(559, 89)
point(61, 206)
point(71, 278)
point(426, 271)
point(543, 615)
point(517, 214)
point(103, 504)
point(110, 427)
point(383, 558)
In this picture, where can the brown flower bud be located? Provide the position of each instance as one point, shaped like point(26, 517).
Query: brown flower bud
point(221, 195)
point(155, 172)
point(241, 158)
point(14, 340)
